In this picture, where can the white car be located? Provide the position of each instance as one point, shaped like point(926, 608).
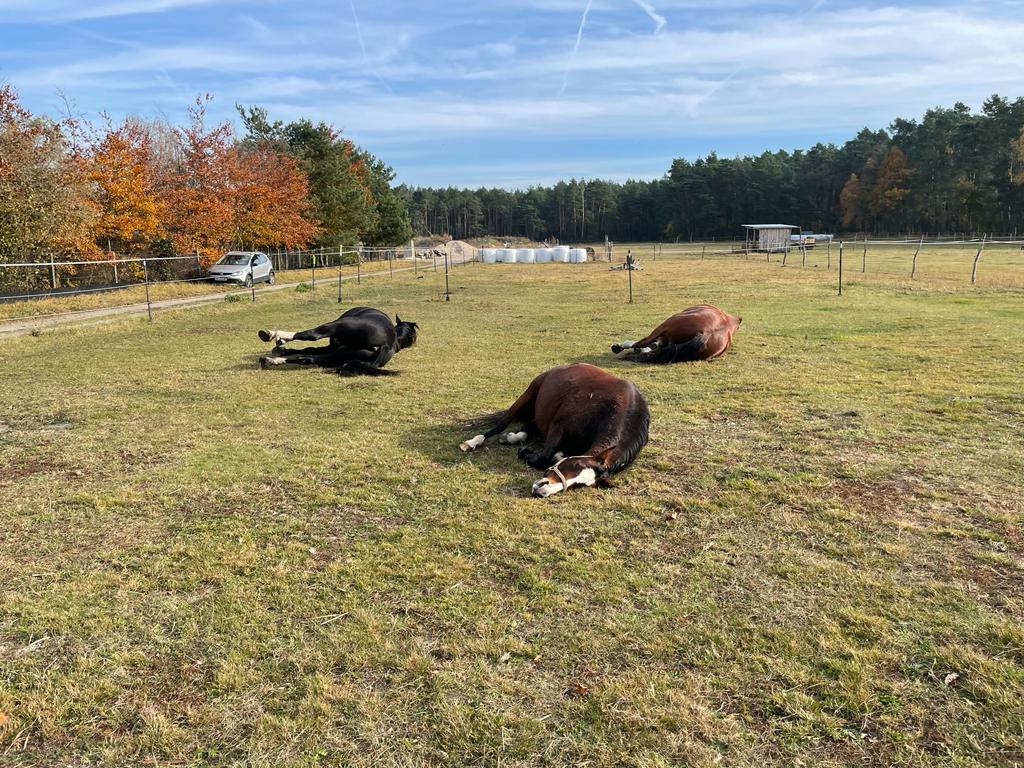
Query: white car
point(242, 267)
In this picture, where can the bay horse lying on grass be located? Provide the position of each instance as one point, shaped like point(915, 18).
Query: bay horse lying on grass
point(593, 424)
point(362, 340)
point(702, 332)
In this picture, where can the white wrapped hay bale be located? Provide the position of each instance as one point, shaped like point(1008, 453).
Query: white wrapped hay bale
point(578, 255)
point(542, 255)
point(560, 254)
point(507, 255)
point(489, 255)
point(524, 256)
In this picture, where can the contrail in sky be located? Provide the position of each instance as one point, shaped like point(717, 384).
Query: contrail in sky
point(656, 17)
point(722, 83)
point(359, 34)
point(579, 37)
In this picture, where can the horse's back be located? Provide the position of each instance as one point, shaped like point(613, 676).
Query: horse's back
point(702, 318)
point(364, 327)
point(581, 388)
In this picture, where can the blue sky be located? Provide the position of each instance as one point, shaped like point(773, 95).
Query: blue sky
point(521, 92)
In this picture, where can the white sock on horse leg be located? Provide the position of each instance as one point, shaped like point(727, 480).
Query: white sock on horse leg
point(515, 437)
point(472, 444)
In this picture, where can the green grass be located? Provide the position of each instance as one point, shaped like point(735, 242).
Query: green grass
point(817, 560)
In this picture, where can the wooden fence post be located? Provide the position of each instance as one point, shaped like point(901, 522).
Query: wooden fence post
point(913, 263)
point(977, 258)
point(864, 257)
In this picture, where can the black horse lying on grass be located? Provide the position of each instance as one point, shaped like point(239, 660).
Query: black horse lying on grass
point(362, 341)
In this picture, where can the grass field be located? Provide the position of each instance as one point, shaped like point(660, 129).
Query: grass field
point(818, 559)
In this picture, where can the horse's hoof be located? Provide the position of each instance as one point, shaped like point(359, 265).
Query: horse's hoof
point(616, 349)
point(263, 363)
point(472, 444)
point(265, 335)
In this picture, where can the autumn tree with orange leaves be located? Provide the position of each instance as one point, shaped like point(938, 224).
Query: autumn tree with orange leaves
point(197, 193)
point(219, 195)
point(44, 208)
point(271, 198)
point(121, 172)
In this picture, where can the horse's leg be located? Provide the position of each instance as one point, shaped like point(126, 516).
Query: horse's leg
point(545, 457)
point(295, 357)
point(521, 410)
point(313, 334)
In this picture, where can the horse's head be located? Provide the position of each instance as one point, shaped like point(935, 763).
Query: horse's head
point(406, 332)
point(567, 472)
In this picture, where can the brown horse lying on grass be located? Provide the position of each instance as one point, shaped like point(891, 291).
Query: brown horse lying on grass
point(593, 424)
point(702, 332)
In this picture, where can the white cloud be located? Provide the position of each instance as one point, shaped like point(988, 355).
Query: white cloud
point(59, 10)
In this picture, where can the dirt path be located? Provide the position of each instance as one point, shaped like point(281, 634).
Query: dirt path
point(106, 314)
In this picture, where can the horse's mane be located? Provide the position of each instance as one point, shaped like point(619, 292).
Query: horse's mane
point(635, 433)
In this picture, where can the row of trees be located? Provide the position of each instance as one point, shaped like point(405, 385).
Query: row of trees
point(953, 171)
point(72, 188)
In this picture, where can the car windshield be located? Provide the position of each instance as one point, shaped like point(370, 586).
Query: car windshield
point(234, 259)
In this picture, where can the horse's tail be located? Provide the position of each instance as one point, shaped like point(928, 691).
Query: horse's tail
point(636, 433)
point(487, 420)
point(685, 352)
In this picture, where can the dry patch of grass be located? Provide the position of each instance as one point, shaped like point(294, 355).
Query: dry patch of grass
point(817, 560)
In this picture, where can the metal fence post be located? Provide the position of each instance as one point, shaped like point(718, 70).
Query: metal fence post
point(447, 294)
point(840, 267)
point(149, 305)
point(359, 265)
point(629, 269)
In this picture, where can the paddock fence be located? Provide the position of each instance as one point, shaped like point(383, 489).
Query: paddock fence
point(55, 289)
point(981, 261)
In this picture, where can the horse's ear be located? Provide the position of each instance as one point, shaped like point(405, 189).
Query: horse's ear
point(398, 320)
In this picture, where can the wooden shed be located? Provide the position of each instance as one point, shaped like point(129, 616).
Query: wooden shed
point(768, 238)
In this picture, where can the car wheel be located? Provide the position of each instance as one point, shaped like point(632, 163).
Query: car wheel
point(271, 278)
point(248, 281)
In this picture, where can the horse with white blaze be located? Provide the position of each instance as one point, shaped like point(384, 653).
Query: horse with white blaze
point(592, 424)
